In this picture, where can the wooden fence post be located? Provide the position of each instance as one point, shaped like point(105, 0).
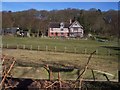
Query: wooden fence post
point(96, 51)
point(46, 48)
point(65, 48)
point(109, 53)
point(38, 47)
point(1, 45)
point(30, 47)
point(75, 50)
point(7, 45)
point(93, 74)
point(17, 46)
point(23, 46)
point(85, 51)
point(59, 77)
point(55, 48)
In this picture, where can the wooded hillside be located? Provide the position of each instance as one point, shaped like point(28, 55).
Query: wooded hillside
point(94, 21)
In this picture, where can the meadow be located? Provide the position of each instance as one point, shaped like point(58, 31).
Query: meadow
point(29, 64)
point(68, 52)
point(60, 45)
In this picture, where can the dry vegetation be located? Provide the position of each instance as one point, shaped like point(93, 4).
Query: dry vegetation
point(27, 57)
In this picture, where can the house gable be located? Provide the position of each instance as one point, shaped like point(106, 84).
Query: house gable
point(75, 24)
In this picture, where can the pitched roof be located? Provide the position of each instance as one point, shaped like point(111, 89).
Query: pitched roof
point(76, 22)
point(57, 25)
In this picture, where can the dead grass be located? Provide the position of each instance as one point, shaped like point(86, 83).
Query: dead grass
point(98, 62)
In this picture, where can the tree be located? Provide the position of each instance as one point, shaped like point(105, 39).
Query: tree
point(7, 19)
point(93, 21)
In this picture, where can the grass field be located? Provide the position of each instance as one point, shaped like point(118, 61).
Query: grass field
point(60, 45)
point(56, 53)
point(31, 63)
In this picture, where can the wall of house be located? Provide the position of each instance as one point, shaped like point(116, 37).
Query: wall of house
point(58, 32)
point(78, 32)
point(73, 30)
point(76, 25)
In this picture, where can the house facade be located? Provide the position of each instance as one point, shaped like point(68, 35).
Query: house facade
point(10, 31)
point(76, 30)
point(72, 29)
point(14, 31)
point(58, 29)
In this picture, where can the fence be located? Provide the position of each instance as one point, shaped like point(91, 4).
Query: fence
point(64, 49)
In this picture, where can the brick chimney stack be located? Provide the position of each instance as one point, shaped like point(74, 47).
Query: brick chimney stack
point(70, 21)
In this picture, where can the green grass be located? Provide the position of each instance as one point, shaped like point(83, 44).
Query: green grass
point(102, 61)
point(72, 46)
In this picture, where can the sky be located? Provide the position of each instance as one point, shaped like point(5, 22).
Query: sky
point(20, 6)
point(59, 0)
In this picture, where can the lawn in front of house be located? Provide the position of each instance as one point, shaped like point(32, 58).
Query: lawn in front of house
point(60, 45)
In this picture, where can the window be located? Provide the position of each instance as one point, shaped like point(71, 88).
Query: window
point(51, 33)
point(62, 33)
point(61, 29)
point(51, 29)
point(56, 34)
point(76, 29)
point(75, 24)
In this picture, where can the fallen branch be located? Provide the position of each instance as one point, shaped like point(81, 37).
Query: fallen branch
point(102, 72)
point(86, 66)
point(7, 73)
point(93, 74)
point(49, 72)
point(51, 84)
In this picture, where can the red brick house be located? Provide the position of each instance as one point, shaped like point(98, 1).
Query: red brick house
point(62, 29)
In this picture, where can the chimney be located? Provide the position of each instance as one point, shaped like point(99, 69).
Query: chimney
point(70, 21)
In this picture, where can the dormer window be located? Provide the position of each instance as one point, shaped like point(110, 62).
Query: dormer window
point(61, 25)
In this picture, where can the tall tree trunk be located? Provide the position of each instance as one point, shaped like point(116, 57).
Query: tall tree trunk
point(29, 31)
point(38, 33)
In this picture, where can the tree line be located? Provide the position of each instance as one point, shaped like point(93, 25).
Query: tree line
point(94, 21)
